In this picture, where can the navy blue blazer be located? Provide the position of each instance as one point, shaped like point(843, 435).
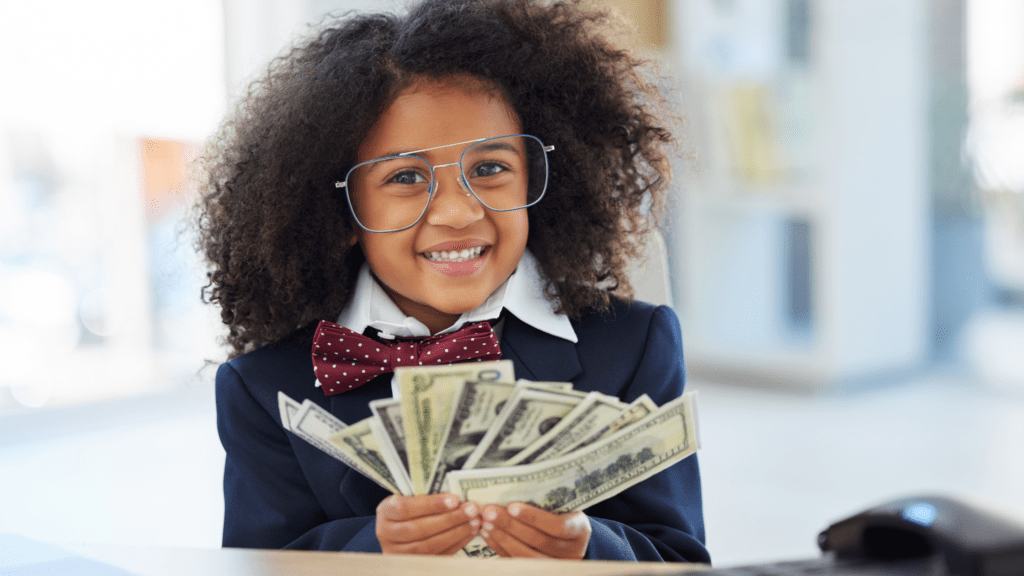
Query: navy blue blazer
point(281, 492)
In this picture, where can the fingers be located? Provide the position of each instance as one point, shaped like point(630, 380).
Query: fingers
point(424, 527)
point(525, 531)
point(496, 546)
point(445, 543)
point(564, 526)
point(492, 534)
point(439, 524)
point(453, 549)
point(431, 524)
point(399, 508)
point(507, 546)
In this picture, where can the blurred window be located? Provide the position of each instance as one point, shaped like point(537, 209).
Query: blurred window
point(103, 108)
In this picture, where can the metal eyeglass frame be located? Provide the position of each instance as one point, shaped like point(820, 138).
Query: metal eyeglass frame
point(433, 183)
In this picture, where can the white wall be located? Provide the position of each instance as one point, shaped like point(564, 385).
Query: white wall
point(843, 142)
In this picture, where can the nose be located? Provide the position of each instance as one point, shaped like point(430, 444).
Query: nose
point(453, 204)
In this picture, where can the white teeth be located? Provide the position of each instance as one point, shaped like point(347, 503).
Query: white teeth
point(455, 255)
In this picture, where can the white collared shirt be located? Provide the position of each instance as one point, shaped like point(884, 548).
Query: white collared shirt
point(522, 294)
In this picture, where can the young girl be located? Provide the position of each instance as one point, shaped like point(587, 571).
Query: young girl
point(403, 176)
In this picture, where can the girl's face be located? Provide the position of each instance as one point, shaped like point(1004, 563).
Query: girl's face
point(430, 114)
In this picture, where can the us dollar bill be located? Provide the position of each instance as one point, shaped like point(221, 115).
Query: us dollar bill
point(585, 477)
point(426, 393)
point(359, 444)
point(289, 409)
point(526, 417)
point(316, 425)
point(593, 412)
point(563, 388)
point(638, 409)
point(314, 422)
point(553, 386)
point(390, 457)
point(474, 410)
point(388, 412)
point(477, 548)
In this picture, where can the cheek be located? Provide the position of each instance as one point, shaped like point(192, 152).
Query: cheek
point(388, 254)
point(518, 228)
point(371, 248)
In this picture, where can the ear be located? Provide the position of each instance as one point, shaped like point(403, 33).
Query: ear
point(353, 240)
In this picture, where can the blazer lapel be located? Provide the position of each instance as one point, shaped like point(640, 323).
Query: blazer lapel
point(538, 355)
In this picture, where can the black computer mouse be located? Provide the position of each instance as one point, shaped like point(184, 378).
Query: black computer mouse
point(971, 540)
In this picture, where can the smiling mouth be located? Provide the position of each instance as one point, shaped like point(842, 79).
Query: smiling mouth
point(455, 255)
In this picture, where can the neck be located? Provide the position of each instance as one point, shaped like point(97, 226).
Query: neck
point(434, 320)
point(436, 325)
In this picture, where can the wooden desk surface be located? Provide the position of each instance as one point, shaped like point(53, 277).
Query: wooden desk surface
point(145, 561)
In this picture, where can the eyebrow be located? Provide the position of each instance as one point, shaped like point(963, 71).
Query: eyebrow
point(485, 148)
point(436, 147)
point(497, 146)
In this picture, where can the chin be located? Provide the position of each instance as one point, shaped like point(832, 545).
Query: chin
point(458, 304)
point(448, 308)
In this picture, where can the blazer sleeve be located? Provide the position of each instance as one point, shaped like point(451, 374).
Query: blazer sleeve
point(268, 501)
point(660, 519)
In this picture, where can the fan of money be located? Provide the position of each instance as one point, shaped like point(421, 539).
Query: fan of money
point(474, 430)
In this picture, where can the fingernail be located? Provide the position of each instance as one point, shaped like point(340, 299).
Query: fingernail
point(484, 533)
point(475, 523)
point(487, 527)
point(490, 514)
point(515, 509)
point(471, 510)
point(574, 527)
point(451, 502)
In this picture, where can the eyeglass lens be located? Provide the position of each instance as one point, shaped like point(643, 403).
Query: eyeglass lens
point(392, 193)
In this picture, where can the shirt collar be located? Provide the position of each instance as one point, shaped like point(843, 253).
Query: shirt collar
point(522, 294)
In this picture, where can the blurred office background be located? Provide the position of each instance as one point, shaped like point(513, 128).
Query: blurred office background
point(846, 254)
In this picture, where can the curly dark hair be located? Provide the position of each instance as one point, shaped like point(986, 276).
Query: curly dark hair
point(271, 223)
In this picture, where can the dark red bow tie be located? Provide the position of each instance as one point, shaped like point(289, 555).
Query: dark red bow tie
point(343, 359)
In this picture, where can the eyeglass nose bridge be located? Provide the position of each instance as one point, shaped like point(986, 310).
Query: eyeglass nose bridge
point(462, 177)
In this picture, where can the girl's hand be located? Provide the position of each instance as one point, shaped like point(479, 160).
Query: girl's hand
point(523, 531)
point(432, 524)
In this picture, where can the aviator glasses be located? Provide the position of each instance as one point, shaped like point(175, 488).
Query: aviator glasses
point(392, 193)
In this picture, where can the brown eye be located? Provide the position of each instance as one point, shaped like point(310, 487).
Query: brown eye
point(487, 169)
point(407, 177)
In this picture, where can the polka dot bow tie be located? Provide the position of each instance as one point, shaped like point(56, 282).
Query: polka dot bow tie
point(343, 359)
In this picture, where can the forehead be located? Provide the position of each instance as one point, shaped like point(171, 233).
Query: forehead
point(431, 113)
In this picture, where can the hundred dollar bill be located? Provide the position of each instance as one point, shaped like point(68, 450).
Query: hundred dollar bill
point(359, 444)
point(289, 408)
point(388, 412)
point(554, 386)
point(474, 410)
point(526, 417)
point(579, 480)
point(427, 393)
point(563, 388)
point(637, 410)
point(312, 421)
point(390, 457)
point(477, 548)
point(316, 425)
point(593, 412)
